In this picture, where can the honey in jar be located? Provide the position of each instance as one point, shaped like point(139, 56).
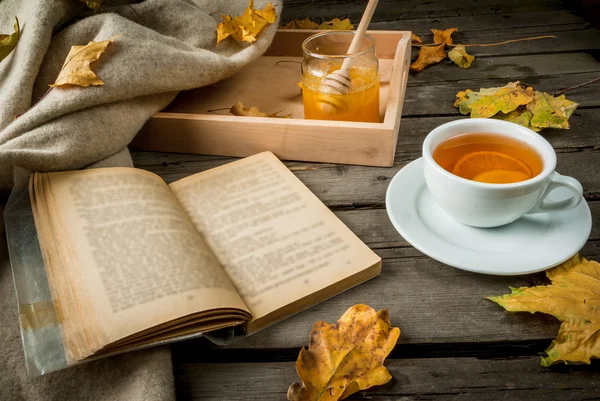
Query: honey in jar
point(325, 53)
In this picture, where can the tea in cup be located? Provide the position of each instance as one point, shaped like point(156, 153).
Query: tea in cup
point(488, 173)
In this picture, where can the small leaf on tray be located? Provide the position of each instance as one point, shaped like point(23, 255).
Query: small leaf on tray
point(238, 109)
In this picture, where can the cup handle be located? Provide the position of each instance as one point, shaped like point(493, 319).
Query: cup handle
point(559, 181)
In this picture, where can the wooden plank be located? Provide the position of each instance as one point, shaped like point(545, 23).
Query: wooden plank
point(566, 41)
point(559, 20)
point(447, 379)
point(431, 302)
point(374, 228)
point(437, 98)
point(353, 186)
point(389, 10)
point(510, 68)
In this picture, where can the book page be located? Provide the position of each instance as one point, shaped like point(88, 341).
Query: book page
point(277, 242)
point(136, 259)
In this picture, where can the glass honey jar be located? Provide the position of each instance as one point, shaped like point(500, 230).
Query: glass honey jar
point(325, 53)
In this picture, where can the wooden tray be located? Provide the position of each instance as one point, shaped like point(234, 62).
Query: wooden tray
point(186, 126)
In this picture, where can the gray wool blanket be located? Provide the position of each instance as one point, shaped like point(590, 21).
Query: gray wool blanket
point(163, 46)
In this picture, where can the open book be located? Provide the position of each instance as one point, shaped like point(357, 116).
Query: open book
point(131, 260)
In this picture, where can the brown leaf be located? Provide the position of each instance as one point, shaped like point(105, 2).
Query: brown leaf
point(238, 109)
point(246, 27)
point(305, 23)
point(428, 55)
point(345, 357)
point(444, 36)
point(76, 69)
point(415, 39)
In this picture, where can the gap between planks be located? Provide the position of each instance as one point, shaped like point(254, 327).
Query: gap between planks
point(449, 379)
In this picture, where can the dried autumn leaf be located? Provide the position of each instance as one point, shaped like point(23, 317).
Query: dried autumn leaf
point(238, 109)
point(415, 39)
point(246, 27)
point(460, 57)
point(428, 55)
point(305, 23)
point(529, 108)
point(337, 25)
point(551, 112)
point(519, 116)
point(345, 357)
point(76, 69)
point(574, 299)
point(9, 42)
point(505, 101)
point(489, 102)
point(444, 36)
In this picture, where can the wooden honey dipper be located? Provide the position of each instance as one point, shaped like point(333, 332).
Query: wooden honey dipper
point(338, 82)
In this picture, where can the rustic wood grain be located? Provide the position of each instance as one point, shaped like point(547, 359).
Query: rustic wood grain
point(347, 186)
point(437, 98)
point(447, 325)
point(509, 68)
point(443, 379)
point(390, 10)
point(522, 22)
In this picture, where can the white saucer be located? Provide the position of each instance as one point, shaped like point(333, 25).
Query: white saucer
point(533, 243)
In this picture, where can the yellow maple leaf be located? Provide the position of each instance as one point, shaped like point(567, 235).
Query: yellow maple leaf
point(76, 68)
point(574, 299)
point(345, 357)
point(415, 39)
point(460, 57)
point(444, 36)
point(238, 109)
point(305, 23)
point(246, 27)
point(8, 42)
point(428, 55)
point(337, 25)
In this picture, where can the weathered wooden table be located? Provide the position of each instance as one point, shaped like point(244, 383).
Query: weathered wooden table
point(455, 345)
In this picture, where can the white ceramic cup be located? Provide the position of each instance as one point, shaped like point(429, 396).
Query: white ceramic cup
point(491, 205)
